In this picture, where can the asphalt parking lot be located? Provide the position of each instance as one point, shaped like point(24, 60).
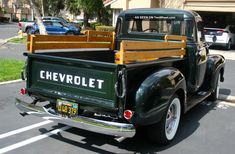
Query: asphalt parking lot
point(207, 129)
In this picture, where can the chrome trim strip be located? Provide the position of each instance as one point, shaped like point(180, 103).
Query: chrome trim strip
point(90, 124)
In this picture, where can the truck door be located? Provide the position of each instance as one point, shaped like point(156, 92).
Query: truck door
point(201, 55)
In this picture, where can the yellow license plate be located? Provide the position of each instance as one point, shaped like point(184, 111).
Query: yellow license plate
point(66, 108)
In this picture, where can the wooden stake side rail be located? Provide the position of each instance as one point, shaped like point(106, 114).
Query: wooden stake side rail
point(130, 51)
point(138, 51)
point(91, 39)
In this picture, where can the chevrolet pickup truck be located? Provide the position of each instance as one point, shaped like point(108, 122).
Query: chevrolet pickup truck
point(149, 73)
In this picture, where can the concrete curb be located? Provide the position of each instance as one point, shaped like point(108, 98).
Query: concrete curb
point(2, 42)
point(227, 98)
point(9, 82)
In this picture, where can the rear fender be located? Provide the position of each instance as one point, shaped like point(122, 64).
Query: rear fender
point(153, 95)
point(215, 66)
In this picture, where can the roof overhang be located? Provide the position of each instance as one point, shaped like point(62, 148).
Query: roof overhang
point(109, 2)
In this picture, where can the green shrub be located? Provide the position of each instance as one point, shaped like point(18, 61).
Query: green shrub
point(105, 28)
point(4, 19)
point(94, 24)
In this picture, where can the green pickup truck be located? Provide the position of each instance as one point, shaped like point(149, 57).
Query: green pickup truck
point(156, 68)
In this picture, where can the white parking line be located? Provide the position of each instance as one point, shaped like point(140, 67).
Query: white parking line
point(227, 103)
point(24, 129)
point(32, 140)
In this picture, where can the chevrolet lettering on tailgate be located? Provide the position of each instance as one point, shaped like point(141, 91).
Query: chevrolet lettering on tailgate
point(71, 79)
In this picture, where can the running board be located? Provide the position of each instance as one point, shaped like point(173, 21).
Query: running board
point(198, 98)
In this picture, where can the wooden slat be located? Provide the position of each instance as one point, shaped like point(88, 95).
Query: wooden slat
point(60, 38)
point(130, 56)
point(133, 56)
point(175, 37)
point(108, 34)
point(32, 43)
point(101, 39)
point(43, 46)
point(113, 41)
point(140, 45)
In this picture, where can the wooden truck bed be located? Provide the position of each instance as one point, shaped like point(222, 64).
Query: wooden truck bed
point(130, 51)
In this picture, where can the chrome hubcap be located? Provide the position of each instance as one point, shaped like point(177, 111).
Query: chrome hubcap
point(171, 118)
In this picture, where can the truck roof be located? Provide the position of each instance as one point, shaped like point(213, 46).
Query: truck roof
point(162, 11)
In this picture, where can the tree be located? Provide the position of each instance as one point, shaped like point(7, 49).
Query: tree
point(38, 17)
point(89, 7)
point(52, 7)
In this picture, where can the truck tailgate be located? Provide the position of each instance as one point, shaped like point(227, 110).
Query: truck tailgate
point(86, 82)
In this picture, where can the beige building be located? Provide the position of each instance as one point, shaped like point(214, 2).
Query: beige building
point(120, 5)
point(210, 9)
point(15, 9)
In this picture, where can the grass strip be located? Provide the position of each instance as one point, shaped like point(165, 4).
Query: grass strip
point(10, 69)
point(18, 40)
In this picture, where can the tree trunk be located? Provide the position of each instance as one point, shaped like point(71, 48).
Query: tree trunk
point(86, 17)
point(38, 17)
point(99, 14)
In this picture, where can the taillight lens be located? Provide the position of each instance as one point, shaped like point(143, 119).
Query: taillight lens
point(128, 114)
point(22, 91)
point(220, 31)
point(19, 24)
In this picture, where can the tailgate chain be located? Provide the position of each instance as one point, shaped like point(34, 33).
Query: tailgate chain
point(121, 76)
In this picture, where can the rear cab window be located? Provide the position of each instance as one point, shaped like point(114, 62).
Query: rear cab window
point(157, 26)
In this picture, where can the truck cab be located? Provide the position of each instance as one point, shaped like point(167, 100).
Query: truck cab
point(156, 68)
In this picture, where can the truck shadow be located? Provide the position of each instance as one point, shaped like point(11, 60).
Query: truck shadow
point(214, 47)
point(139, 143)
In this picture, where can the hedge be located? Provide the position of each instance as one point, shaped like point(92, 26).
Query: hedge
point(105, 28)
point(4, 19)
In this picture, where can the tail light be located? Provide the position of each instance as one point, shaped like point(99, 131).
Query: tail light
point(22, 91)
point(20, 25)
point(220, 31)
point(128, 114)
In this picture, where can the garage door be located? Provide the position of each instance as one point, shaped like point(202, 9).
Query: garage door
point(210, 5)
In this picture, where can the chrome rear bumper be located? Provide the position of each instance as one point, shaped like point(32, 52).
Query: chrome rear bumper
point(90, 124)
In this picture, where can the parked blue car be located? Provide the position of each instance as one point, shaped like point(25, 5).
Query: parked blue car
point(57, 28)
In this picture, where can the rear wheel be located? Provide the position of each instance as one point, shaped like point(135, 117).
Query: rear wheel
point(165, 131)
point(29, 30)
point(229, 45)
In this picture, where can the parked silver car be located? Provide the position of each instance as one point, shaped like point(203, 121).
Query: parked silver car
point(220, 36)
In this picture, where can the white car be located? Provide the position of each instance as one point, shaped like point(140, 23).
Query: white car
point(223, 36)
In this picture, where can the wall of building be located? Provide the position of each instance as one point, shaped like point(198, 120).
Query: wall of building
point(139, 4)
point(120, 4)
point(129, 4)
point(178, 4)
point(15, 9)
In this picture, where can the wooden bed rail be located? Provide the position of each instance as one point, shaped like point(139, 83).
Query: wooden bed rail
point(135, 51)
point(91, 39)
